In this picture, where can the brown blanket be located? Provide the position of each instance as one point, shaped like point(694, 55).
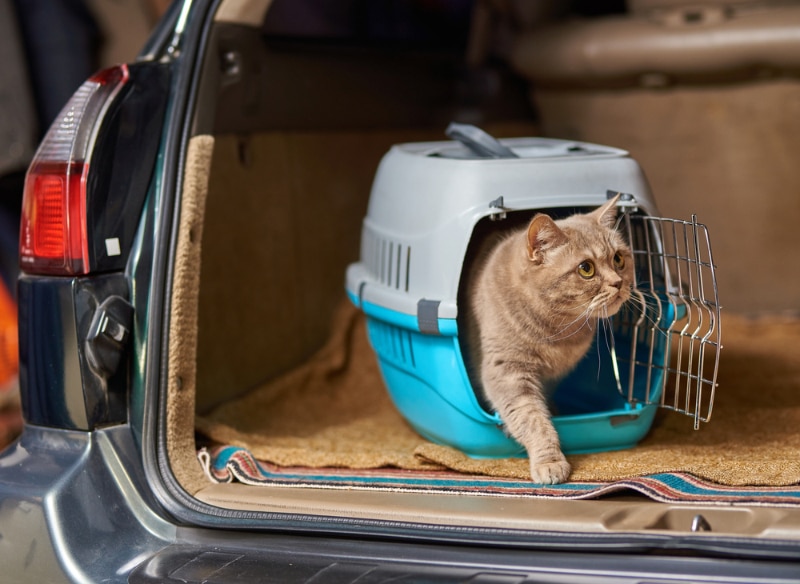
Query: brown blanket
point(333, 411)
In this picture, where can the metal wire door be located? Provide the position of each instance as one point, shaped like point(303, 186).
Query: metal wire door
point(671, 326)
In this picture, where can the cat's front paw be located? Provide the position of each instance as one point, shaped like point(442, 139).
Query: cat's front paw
point(551, 472)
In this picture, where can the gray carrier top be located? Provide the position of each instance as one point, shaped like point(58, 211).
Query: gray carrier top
point(427, 197)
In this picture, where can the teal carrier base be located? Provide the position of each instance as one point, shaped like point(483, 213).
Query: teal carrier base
point(428, 383)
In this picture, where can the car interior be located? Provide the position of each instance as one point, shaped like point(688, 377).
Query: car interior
point(268, 361)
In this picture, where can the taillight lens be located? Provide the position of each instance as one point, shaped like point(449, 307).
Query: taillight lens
point(53, 231)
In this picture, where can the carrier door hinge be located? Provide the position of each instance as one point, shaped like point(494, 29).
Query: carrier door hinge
point(627, 202)
point(499, 210)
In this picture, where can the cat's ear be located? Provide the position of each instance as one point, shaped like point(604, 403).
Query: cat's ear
point(543, 235)
point(607, 214)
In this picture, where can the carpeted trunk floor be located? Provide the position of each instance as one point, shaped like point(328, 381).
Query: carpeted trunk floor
point(333, 412)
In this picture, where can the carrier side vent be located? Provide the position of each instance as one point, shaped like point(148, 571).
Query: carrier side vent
point(392, 342)
point(387, 260)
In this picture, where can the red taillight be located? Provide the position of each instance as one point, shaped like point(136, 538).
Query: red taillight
point(53, 238)
point(53, 231)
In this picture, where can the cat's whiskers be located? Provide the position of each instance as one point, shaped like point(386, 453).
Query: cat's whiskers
point(586, 316)
point(608, 336)
point(643, 312)
point(608, 330)
point(585, 308)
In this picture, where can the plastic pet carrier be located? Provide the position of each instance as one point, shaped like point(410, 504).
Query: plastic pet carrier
point(431, 204)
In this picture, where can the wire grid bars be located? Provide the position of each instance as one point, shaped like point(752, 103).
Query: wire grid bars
point(672, 319)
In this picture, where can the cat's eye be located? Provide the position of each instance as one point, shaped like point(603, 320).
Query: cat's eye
point(586, 269)
point(619, 261)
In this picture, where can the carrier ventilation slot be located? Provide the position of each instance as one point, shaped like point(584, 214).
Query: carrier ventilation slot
point(388, 261)
point(393, 343)
point(672, 319)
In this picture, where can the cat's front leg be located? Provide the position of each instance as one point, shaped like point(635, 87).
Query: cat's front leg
point(550, 473)
point(519, 398)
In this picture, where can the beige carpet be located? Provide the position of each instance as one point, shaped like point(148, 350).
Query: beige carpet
point(333, 411)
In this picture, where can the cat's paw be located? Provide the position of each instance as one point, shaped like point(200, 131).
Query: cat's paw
point(551, 472)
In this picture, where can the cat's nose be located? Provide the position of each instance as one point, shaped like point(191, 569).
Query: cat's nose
point(617, 283)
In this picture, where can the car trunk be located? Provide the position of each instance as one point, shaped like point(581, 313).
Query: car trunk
point(286, 138)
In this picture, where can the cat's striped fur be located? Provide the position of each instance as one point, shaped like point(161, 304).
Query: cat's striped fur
point(535, 302)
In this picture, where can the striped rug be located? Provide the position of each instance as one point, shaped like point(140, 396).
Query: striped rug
point(229, 464)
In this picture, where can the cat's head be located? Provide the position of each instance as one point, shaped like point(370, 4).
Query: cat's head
point(581, 263)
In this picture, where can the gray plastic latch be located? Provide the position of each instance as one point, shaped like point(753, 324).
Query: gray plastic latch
point(428, 316)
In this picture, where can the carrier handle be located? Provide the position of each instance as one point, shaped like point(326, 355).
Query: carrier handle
point(481, 143)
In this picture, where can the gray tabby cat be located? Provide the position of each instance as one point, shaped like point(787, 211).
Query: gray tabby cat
point(535, 304)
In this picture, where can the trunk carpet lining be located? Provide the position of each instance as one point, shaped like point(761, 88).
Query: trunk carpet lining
point(329, 423)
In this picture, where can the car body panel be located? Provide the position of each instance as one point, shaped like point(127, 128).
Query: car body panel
point(74, 507)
